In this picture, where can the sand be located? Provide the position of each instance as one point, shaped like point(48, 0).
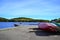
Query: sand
point(27, 32)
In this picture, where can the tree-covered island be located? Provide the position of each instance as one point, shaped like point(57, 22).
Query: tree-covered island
point(25, 19)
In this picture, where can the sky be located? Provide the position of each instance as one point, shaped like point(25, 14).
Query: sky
point(38, 9)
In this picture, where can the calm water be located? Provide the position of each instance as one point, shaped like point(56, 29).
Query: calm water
point(11, 24)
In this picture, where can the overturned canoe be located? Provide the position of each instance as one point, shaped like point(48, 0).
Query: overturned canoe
point(49, 27)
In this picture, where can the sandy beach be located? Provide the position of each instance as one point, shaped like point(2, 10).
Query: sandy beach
point(27, 32)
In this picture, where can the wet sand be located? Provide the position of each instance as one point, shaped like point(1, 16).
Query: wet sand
point(27, 32)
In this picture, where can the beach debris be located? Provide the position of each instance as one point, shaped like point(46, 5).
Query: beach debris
point(16, 25)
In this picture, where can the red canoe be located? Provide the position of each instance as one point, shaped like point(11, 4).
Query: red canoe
point(47, 26)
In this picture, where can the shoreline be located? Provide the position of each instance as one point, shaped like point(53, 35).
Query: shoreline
point(17, 27)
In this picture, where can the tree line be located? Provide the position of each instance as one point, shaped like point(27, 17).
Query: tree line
point(25, 19)
point(56, 20)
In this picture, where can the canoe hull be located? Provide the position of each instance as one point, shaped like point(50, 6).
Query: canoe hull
point(47, 27)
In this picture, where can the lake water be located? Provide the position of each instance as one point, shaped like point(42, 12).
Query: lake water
point(11, 24)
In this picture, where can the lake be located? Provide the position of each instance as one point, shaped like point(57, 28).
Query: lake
point(11, 24)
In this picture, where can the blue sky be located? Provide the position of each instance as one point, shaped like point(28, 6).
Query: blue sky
point(39, 9)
